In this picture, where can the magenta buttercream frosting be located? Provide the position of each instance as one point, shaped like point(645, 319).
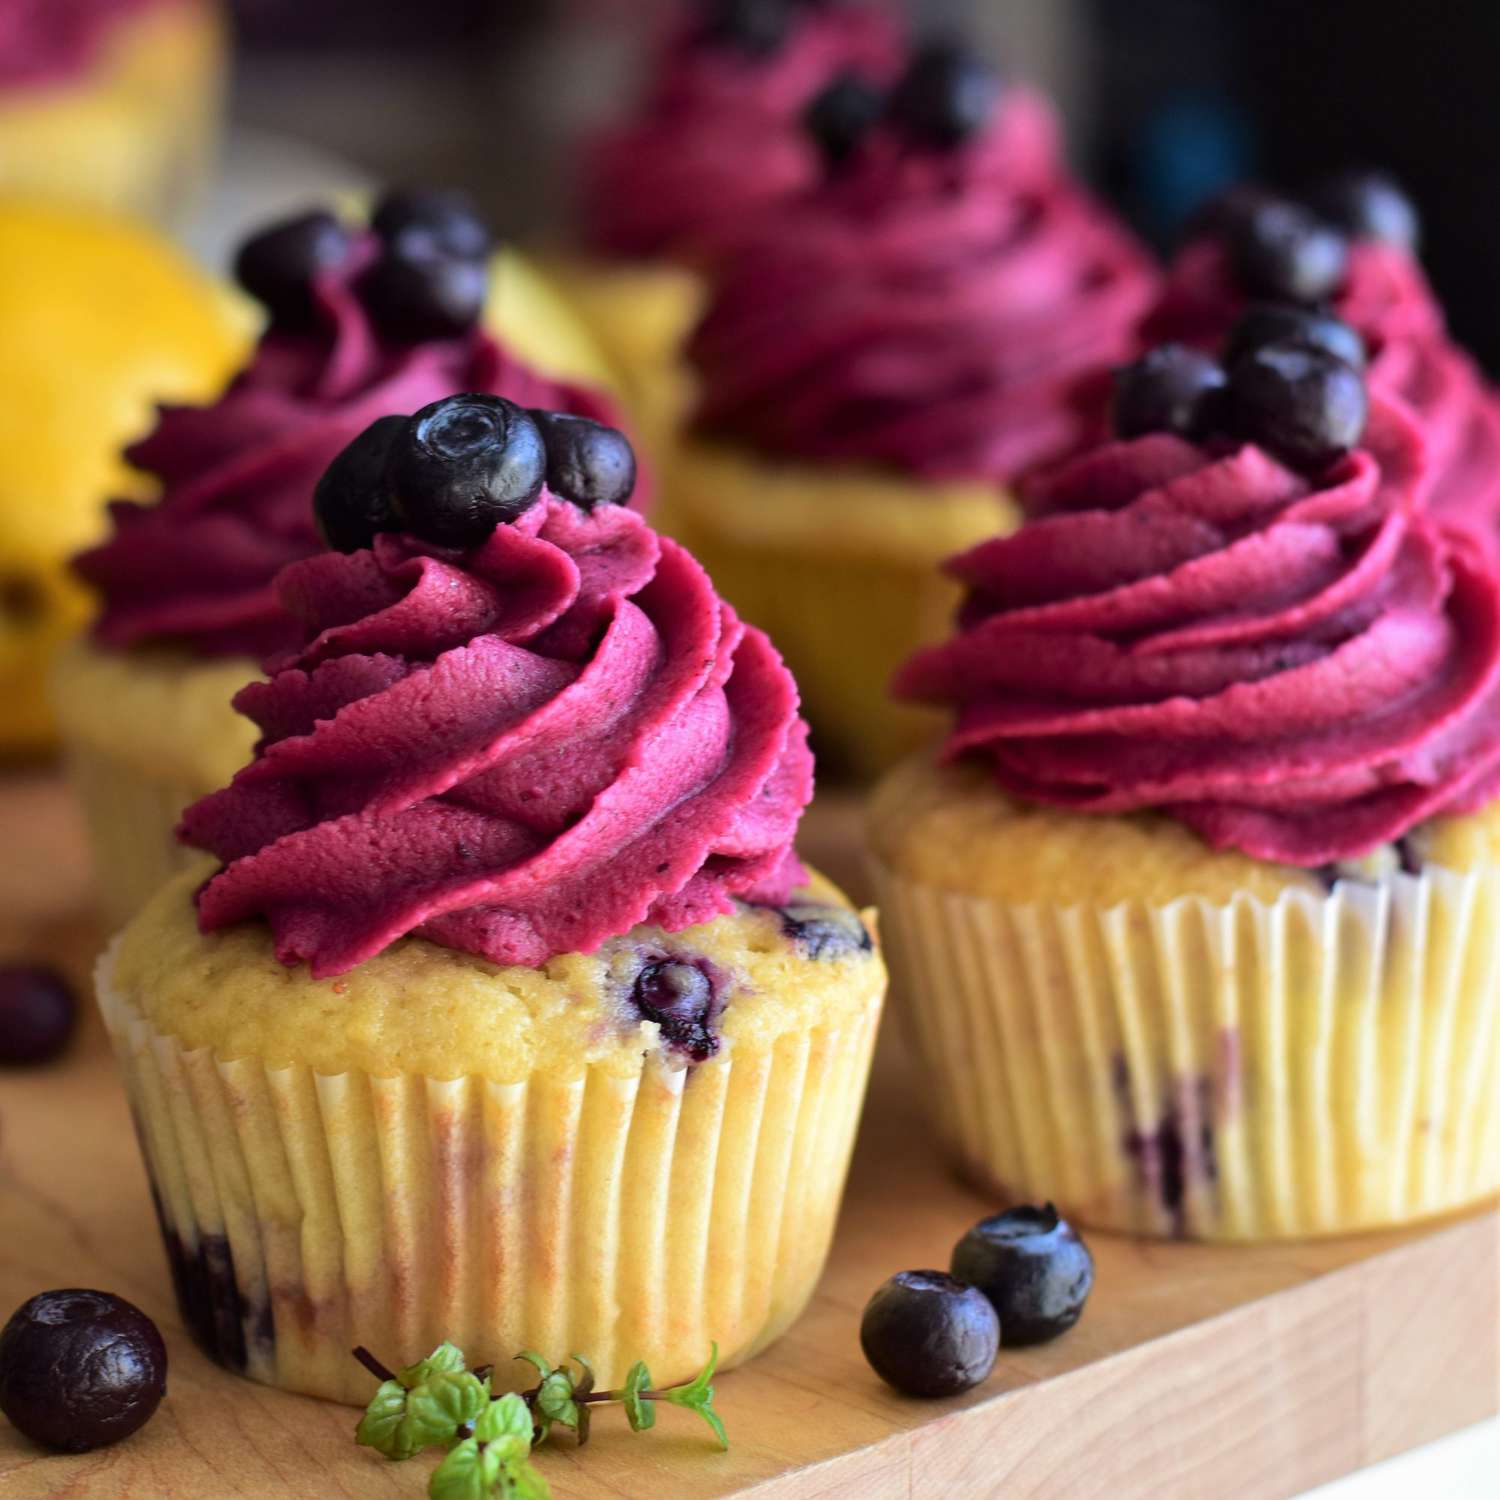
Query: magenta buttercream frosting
point(197, 567)
point(1299, 669)
point(931, 311)
point(718, 135)
point(518, 751)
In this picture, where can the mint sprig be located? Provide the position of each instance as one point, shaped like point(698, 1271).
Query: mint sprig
point(440, 1402)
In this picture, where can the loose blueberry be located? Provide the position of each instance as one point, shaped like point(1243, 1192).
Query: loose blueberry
point(277, 266)
point(38, 1011)
point(1226, 213)
point(1285, 323)
point(415, 293)
point(464, 465)
point(443, 222)
point(1299, 404)
point(1168, 389)
point(825, 932)
point(1369, 205)
point(842, 115)
point(1285, 253)
point(755, 27)
point(587, 462)
point(1033, 1267)
point(946, 95)
point(679, 997)
point(353, 502)
point(930, 1335)
point(80, 1369)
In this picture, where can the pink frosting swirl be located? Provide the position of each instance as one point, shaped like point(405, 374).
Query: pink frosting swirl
point(1299, 670)
point(928, 310)
point(45, 41)
point(519, 751)
point(718, 135)
point(197, 567)
point(1388, 301)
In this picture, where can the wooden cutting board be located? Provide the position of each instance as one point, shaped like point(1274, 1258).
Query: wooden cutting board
point(1196, 1371)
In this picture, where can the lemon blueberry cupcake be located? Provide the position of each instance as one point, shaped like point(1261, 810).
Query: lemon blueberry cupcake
point(879, 363)
point(1197, 914)
point(363, 324)
point(99, 319)
point(509, 1015)
point(110, 103)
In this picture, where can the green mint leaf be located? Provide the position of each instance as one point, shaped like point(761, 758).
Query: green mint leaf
point(581, 1426)
point(640, 1413)
point(446, 1359)
point(554, 1400)
point(585, 1382)
point(700, 1386)
point(469, 1472)
point(715, 1421)
point(533, 1358)
point(520, 1481)
point(381, 1426)
point(440, 1405)
point(506, 1423)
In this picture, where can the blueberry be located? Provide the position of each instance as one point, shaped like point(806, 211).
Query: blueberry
point(444, 222)
point(826, 932)
point(464, 465)
point(1032, 1266)
point(1226, 213)
point(38, 1011)
point(80, 1369)
point(679, 997)
point(1369, 205)
point(415, 293)
point(1299, 404)
point(929, 1335)
point(354, 502)
point(1286, 323)
point(946, 95)
point(277, 266)
point(587, 462)
point(842, 115)
point(1168, 389)
point(1285, 253)
point(757, 28)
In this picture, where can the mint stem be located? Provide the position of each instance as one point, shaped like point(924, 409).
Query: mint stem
point(372, 1364)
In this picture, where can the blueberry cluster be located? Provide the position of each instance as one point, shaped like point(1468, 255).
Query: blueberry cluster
point(453, 471)
point(1019, 1277)
point(1290, 379)
point(946, 95)
point(429, 280)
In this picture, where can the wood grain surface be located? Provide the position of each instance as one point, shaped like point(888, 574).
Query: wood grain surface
point(1197, 1371)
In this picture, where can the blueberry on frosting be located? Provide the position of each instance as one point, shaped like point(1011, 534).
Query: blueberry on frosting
point(1282, 251)
point(842, 115)
point(946, 95)
point(416, 292)
point(1298, 403)
point(1168, 389)
point(1286, 323)
point(353, 502)
point(1369, 205)
point(587, 462)
point(757, 28)
point(444, 222)
point(277, 266)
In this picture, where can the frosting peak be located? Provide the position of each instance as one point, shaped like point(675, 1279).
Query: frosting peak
point(518, 751)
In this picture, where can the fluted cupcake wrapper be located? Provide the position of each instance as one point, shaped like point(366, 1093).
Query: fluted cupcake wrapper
point(624, 1218)
point(1312, 1066)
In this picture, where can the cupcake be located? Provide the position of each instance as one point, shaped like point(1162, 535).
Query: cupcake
point(1197, 913)
point(81, 292)
point(713, 143)
point(880, 363)
point(363, 324)
point(110, 103)
point(508, 1015)
point(1351, 251)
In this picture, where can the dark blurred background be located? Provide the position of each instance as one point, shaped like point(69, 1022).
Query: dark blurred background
point(1166, 100)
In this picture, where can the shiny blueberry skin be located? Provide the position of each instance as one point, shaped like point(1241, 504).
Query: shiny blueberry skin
point(842, 115)
point(757, 28)
point(415, 293)
point(464, 465)
point(441, 221)
point(587, 462)
point(80, 1369)
point(353, 501)
point(1033, 1267)
point(277, 266)
point(1168, 389)
point(945, 96)
point(1301, 405)
point(1284, 253)
point(1227, 212)
point(1369, 205)
point(679, 997)
point(1286, 323)
point(825, 932)
point(38, 1011)
point(929, 1335)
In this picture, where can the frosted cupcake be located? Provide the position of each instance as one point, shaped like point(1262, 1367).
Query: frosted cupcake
point(878, 365)
point(714, 142)
point(510, 1016)
point(110, 103)
point(1266, 261)
point(1196, 917)
point(362, 324)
